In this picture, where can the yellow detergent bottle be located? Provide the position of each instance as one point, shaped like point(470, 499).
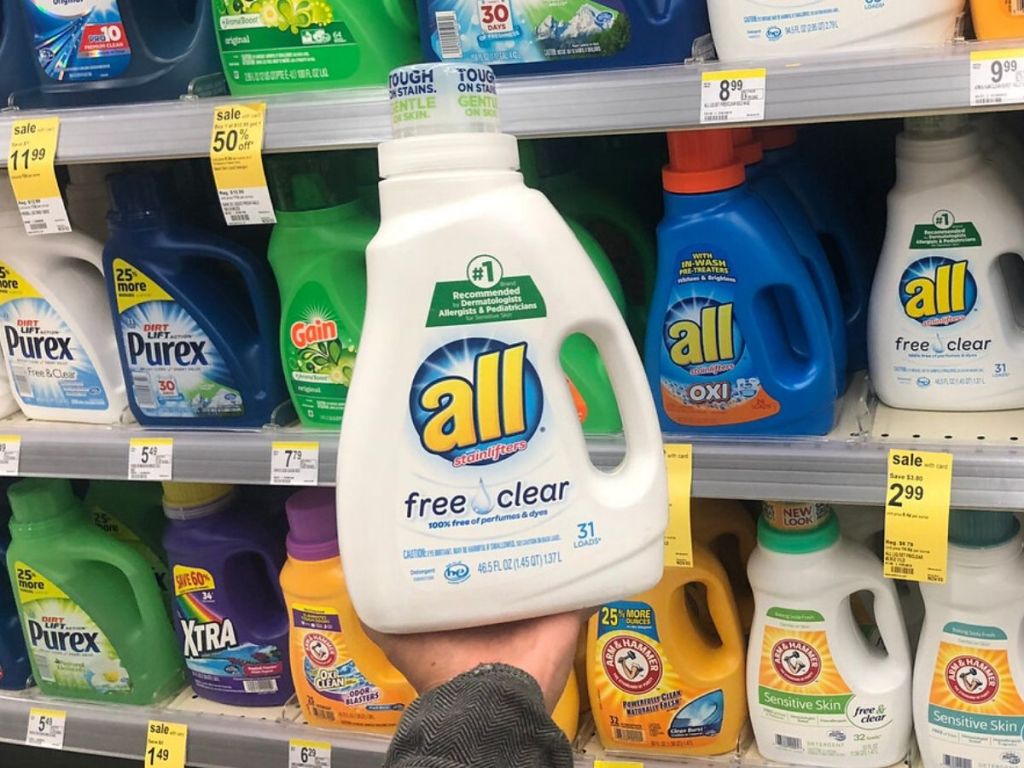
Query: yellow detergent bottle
point(726, 529)
point(661, 680)
point(567, 710)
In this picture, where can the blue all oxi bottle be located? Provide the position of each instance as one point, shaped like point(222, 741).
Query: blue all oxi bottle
point(196, 316)
point(737, 341)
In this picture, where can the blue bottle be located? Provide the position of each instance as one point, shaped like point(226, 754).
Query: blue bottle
point(85, 53)
point(15, 60)
point(195, 315)
point(542, 36)
point(15, 669)
point(720, 355)
point(844, 239)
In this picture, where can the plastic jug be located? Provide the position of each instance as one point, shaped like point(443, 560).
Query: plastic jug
point(15, 59)
point(229, 612)
point(737, 340)
point(566, 713)
point(726, 530)
point(286, 47)
point(555, 35)
point(819, 694)
point(93, 618)
point(968, 692)
point(195, 351)
point(766, 29)
point(662, 681)
point(948, 286)
point(15, 669)
point(65, 368)
point(998, 19)
point(459, 372)
point(116, 51)
point(87, 199)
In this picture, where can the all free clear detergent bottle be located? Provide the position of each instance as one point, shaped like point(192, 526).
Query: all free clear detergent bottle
point(737, 340)
point(474, 283)
point(196, 350)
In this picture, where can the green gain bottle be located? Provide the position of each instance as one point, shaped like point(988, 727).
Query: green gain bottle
point(93, 617)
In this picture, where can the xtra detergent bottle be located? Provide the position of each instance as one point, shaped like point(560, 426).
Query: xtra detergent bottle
point(15, 668)
point(728, 531)
point(819, 693)
point(737, 340)
point(15, 58)
point(229, 612)
point(998, 19)
point(341, 677)
point(661, 680)
point(116, 51)
point(555, 35)
point(93, 617)
point(318, 254)
point(59, 353)
point(969, 675)
point(196, 350)
point(947, 289)
point(459, 372)
point(282, 47)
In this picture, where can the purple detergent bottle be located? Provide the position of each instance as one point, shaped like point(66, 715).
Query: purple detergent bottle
point(228, 609)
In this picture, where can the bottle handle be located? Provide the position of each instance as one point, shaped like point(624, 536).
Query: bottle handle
point(723, 609)
point(889, 618)
point(401, 15)
point(81, 250)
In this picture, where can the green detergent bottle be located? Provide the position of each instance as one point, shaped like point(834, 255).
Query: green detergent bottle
point(283, 46)
point(93, 618)
point(318, 254)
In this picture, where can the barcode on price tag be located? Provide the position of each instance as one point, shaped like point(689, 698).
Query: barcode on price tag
point(295, 463)
point(150, 458)
point(165, 745)
point(45, 728)
point(733, 96)
point(917, 496)
point(309, 754)
point(997, 77)
point(236, 154)
point(30, 164)
point(10, 455)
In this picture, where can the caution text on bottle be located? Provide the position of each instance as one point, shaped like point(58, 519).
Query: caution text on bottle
point(309, 754)
point(997, 77)
point(236, 147)
point(294, 463)
point(918, 487)
point(30, 164)
point(733, 96)
point(10, 455)
point(46, 728)
point(165, 745)
point(150, 458)
point(678, 538)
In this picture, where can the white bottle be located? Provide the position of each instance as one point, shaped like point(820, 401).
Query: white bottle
point(819, 694)
point(88, 203)
point(968, 694)
point(942, 333)
point(764, 29)
point(466, 495)
point(57, 336)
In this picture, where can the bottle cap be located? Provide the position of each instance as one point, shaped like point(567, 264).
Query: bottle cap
point(701, 161)
point(981, 529)
point(185, 501)
point(38, 499)
point(312, 525)
point(746, 146)
point(937, 126)
point(135, 196)
point(431, 99)
point(800, 541)
point(111, 495)
point(90, 174)
point(795, 515)
point(777, 137)
point(308, 182)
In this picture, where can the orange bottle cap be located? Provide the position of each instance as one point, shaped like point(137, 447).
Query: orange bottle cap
point(747, 147)
point(777, 137)
point(701, 161)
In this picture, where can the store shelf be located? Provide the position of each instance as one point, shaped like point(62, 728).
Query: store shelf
point(636, 100)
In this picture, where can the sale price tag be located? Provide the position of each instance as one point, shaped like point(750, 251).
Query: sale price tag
point(678, 538)
point(30, 165)
point(309, 754)
point(733, 96)
point(150, 458)
point(997, 77)
point(10, 455)
point(295, 463)
point(45, 728)
point(165, 745)
point(917, 515)
point(236, 148)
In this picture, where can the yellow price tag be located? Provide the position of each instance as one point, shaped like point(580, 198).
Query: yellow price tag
point(236, 147)
point(165, 745)
point(30, 164)
point(678, 537)
point(917, 515)
point(616, 764)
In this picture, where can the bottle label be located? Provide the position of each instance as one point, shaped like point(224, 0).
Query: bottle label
point(78, 40)
point(319, 355)
point(808, 703)
point(48, 364)
point(67, 646)
point(786, 21)
point(644, 700)
point(974, 708)
point(107, 522)
point(175, 369)
point(218, 659)
point(343, 695)
point(707, 374)
point(518, 32)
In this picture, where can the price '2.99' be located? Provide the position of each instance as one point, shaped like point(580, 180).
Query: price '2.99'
point(903, 492)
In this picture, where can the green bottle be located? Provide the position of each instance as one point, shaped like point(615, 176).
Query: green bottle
point(318, 254)
point(94, 620)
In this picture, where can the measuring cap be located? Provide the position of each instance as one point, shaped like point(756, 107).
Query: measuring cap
point(795, 515)
point(701, 161)
point(798, 541)
point(184, 501)
point(40, 498)
point(312, 525)
point(777, 137)
point(136, 195)
point(937, 126)
point(981, 529)
point(432, 99)
point(747, 147)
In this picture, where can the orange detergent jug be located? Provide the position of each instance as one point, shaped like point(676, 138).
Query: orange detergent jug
point(729, 531)
point(567, 711)
point(661, 680)
point(998, 19)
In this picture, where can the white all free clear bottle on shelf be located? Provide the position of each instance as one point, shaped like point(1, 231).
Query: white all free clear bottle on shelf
point(466, 494)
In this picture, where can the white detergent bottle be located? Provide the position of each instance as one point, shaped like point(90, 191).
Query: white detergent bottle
point(943, 333)
point(969, 675)
point(466, 495)
point(58, 346)
point(819, 693)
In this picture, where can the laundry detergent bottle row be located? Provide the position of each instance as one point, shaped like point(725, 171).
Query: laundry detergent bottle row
point(737, 341)
point(474, 283)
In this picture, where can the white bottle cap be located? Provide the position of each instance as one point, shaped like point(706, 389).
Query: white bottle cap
point(432, 99)
point(795, 515)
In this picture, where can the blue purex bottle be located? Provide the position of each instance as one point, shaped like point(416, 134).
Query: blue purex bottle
point(15, 669)
point(737, 340)
point(196, 316)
